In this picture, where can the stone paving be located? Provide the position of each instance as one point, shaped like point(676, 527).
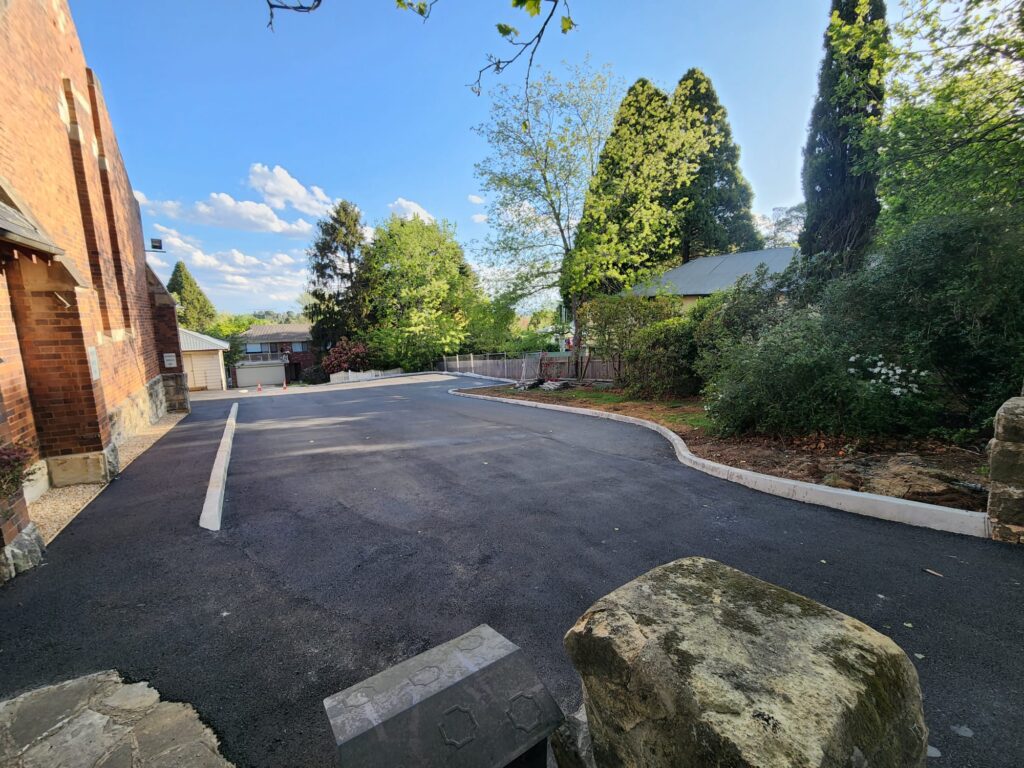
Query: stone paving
point(98, 721)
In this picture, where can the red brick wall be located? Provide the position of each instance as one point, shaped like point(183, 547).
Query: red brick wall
point(59, 154)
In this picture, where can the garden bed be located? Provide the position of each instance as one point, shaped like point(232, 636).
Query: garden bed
point(918, 470)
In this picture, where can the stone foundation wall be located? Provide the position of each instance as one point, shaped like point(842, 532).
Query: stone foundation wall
point(1006, 472)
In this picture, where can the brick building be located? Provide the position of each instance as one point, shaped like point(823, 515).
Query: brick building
point(274, 353)
point(89, 346)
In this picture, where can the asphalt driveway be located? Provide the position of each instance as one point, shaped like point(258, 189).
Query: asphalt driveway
point(365, 525)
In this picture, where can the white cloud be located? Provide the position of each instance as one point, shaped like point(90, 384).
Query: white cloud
point(281, 259)
point(475, 199)
point(407, 209)
point(156, 262)
point(222, 210)
point(169, 208)
point(280, 189)
point(479, 218)
point(243, 260)
point(369, 233)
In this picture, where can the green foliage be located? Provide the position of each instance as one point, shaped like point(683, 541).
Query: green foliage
point(315, 374)
point(333, 261)
point(611, 323)
point(716, 216)
point(660, 362)
point(952, 141)
point(346, 355)
point(412, 288)
point(796, 379)
point(842, 205)
point(544, 146)
point(629, 219)
point(228, 327)
point(195, 310)
point(946, 297)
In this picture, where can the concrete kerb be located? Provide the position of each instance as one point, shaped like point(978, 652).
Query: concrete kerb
point(868, 504)
point(213, 506)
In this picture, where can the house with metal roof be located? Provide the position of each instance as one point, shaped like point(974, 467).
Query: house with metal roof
point(703, 276)
point(202, 357)
point(275, 353)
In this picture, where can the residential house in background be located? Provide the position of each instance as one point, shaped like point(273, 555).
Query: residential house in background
point(274, 354)
point(89, 349)
point(203, 358)
point(702, 277)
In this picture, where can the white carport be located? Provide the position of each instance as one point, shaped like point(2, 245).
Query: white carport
point(203, 359)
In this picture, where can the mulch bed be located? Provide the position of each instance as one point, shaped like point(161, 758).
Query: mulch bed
point(919, 470)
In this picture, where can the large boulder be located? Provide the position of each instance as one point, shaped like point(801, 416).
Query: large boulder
point(697, 664)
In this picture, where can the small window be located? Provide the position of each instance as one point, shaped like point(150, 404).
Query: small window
point(298, 346)
point(251, 349)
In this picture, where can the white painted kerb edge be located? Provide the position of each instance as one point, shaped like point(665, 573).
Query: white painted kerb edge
point(868, 504)
point(213, 507)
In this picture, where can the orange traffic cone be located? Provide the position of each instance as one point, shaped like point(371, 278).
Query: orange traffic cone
point(259, 387)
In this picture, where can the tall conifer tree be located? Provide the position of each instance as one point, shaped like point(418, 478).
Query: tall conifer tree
point(195, 310)
point(333, 260)
point(716, 216)
point(627, 227)
point(839, 189)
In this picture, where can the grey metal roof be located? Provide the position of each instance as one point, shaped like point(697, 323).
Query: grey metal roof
point(278, 332)
point(199, 342)
point(708, 274)
point(17, 228)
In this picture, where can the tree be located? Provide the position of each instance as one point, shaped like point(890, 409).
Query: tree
point(333, 260)
point(716, 215)
point(544, 149)
point(413, 286)
point(629, 224)
point(952, 140)
point(228, 328)
point(195, 310)
point(783, 229)
point(495, 63)
point(839, 188)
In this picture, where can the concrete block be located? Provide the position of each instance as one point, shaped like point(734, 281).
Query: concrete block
point(472, 702)
point(79, 468)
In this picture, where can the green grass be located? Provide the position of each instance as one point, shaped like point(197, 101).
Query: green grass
point(696, 420)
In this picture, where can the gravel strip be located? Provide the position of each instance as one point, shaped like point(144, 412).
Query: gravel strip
point(52, 511)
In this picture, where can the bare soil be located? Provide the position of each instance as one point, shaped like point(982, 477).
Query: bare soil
point(919, 470)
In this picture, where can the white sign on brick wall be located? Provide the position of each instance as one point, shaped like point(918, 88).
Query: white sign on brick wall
point(170, 360)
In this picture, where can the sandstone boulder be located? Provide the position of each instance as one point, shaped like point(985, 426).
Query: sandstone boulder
point(697, 664)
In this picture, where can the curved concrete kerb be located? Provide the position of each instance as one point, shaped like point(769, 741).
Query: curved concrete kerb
point(868, 504)
point(213, 506)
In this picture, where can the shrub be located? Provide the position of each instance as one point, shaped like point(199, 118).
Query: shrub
point(948, 297)
point(610, 324)
point(346, 355)
point(660, 363)
point(15, 459)
point(315, 374)
point(796, 378)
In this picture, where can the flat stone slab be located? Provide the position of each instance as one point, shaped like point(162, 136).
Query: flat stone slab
point(697, 664)
point(98, 721)
point(473, 701)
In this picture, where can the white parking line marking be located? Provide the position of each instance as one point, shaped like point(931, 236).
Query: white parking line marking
point(213, 507)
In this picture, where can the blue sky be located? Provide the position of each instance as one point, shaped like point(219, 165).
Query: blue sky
point(238, 136)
